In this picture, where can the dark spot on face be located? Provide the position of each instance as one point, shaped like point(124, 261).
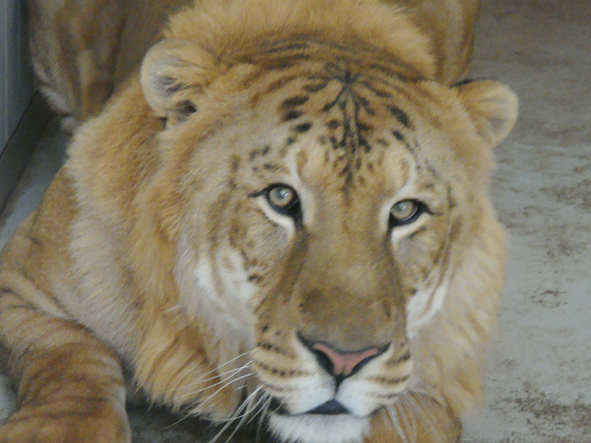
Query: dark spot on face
point(290, 141)
point(400, 115)
point(398, 135)
point(304, 127)
point(322, 140)
point(327, 107)
point(292, 114)
point(334, 142)
point(345, 171)
point(382, 142)
point(253, 155)
point(268, 167)
point(362, 101)
point(265, 328)
point(364, 126)
point(266, 150)
point(358, 164)
point(294, 101)
point(333, 124)
point(256, 278)
point(234, 163)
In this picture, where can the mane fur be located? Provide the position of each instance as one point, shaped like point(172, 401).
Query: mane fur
point(465, 321)
point(224, 26)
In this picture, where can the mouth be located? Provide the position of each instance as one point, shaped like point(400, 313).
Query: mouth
point(331, 407)
point(329, 422)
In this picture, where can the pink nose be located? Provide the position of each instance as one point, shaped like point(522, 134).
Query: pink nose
point(344, 363)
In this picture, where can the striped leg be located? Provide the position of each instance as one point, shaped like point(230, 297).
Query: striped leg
point(70, 385)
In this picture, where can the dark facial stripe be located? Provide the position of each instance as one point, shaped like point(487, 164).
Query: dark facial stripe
point(400, 115)
point(292, 114)
point(315, 87)
point(294, 101)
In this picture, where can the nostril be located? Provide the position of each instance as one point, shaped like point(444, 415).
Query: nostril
point(323, 360)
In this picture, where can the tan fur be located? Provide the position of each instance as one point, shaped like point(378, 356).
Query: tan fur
point(156, 249)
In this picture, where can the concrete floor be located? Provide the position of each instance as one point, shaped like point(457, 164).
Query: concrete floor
point(539, 371)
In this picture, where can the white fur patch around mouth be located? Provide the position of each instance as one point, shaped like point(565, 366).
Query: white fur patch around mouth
point(311, 428)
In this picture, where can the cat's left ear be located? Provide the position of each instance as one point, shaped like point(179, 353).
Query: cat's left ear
point(492, 106)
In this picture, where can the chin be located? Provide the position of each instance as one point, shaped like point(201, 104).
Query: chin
point(317, 428)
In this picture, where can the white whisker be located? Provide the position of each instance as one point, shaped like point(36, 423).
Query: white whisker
point(421, 410)
point(394, 413)
point(246, 407)
point(264, 413)
point(226, 383)
point(266, 401)
point(201, 378)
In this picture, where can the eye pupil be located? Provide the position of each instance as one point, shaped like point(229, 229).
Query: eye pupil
point(282, 196)
point(284, 200)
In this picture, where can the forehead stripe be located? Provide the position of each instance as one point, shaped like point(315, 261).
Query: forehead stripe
point(294, 101)
point(400, 115)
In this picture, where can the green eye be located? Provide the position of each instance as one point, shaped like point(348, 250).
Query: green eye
point(282, 197)
point(405, 212)
point(284, 200)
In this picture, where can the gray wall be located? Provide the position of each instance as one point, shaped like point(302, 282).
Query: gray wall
point(16, 79)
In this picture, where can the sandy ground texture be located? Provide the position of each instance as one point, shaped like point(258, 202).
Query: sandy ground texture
point(539, 370)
